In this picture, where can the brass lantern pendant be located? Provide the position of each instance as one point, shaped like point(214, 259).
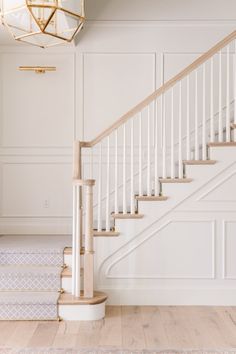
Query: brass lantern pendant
point(43, 23)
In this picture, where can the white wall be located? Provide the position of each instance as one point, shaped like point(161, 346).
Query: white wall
point(125, 51)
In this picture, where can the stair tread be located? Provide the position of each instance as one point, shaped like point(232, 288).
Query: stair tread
point(127, 216)
point(104, 233)
point(216, 144)
point(151, 198)
point(67, 272)
point(199, 162)
point(175, 180)
point(69, 299)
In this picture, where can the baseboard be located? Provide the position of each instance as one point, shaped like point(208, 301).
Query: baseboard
point(171, 297)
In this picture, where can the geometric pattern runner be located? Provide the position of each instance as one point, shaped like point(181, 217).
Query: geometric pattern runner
point(30, 277)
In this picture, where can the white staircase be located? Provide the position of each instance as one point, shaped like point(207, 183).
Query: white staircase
point(147, 165)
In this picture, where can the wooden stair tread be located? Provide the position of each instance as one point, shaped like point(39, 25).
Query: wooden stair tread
point(104, 233)
point(217, 144)
point(127, 216)
point(144, 198)
point(175, 180)
point(68, 250)
point(69, 299)
point(199, 162)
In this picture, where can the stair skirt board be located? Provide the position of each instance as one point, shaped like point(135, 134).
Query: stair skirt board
point(17, 306)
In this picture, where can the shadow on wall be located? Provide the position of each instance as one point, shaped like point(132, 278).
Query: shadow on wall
point(89, 11)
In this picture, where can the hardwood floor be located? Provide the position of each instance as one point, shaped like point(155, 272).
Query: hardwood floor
point(132, 327)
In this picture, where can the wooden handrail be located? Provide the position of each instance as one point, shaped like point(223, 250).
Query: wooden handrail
point(181, 75)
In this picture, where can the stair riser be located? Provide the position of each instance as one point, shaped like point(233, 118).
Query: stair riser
point(31, 259)
point(68, 260)
point(17, 312)
point(66, 284)
point(82, 313)
point(30, 283)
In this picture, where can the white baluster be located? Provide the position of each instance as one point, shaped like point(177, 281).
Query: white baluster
point(99, 216)
point(234, 134)
point(220, 126)
point(156, 177)
point(172, 161)
point(76, 242)
point(124, 170)
point(75, 237)
point(108, 186)
point(228, 95)
point(132, 166)
point(188, 121)
point(148, 153)
point(116, 172)
point(212, 129)
point(77, 246)
point(164, 137)
point(180, 174)
point(204, 154)
point(91, 164)
point(140, 156)
point(196, 118)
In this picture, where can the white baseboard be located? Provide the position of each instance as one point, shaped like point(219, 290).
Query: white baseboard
point(171, 297)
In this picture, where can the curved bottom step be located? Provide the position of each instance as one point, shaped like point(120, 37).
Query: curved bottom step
point(82, 309)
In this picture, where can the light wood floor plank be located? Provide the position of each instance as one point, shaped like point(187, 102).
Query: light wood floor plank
point(226, 319)
point(44, 334)
point(89, 334)
point(154, 330)
point(207, 331)
point(7, 329)
point(22, 334)
point(66, 335)
point(176, 329)
point(132, 330)
point(111, 334)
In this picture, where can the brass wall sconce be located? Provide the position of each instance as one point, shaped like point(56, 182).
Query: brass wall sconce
point(37, 69)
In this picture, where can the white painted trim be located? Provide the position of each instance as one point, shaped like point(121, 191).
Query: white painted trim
point(195, 296)
point(82, 312)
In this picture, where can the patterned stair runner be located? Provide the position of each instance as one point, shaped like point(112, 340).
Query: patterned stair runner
point(30, 276)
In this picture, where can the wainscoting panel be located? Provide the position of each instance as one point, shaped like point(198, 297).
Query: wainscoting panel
point(229, 247)
point(125, 78)
point(36, 189)
point(37, 109)
point(172, 253)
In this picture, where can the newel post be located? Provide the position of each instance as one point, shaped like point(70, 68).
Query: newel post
point(88, 242)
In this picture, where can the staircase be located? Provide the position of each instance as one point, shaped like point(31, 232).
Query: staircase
point(145, 165)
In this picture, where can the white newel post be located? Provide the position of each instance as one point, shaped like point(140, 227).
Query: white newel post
point(88, 248)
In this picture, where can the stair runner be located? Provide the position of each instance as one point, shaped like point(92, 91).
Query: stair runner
point(30, 277)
